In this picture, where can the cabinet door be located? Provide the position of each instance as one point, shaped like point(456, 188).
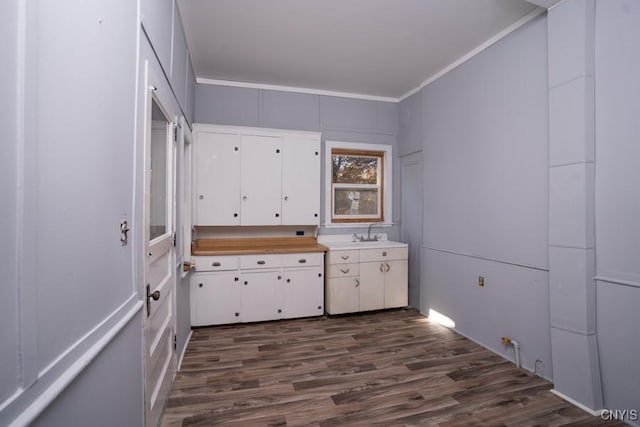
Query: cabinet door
point(396, 290)
point(217, 166)
point(259, 296)
point(343, 295)
point(261, 186)
point(215, 298)
point(302, 293)
point(372, 285)
point(300, 181)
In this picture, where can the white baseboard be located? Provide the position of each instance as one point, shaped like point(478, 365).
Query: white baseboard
point(184, 350)
point(594, 412)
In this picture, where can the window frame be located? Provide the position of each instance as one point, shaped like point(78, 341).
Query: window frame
point(384, 151)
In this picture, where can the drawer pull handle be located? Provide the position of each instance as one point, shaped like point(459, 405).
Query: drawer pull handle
point(302, 261)
point(388, 268)
point(344, 271)
point(357, 283)
point(215, 264)
point(261, 262)
point(344, 257)
point(381, 268)
point(384, 253)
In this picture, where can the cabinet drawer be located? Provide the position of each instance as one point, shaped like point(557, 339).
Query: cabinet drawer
point(216, 263)
point(367, 255)
point(344, 270)
point(303, 259)
point(260, 261)
point(343, 257)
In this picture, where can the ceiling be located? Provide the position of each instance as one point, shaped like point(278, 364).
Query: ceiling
point(376, 48)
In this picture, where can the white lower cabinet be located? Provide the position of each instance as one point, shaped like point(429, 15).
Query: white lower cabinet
point(258, 288)
point(215, 298)
point(366, 279)
point(303, 292)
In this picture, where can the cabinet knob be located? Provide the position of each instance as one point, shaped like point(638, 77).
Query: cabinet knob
point(237, 314)
point(199, 285)
point(319, 307)
point(319, 274)
point(315, 215)
point(244, 198)
point(288, 280)
point(201, 197)
point(384, 253)
point(277, 214)
point(286, 198)
point(279, 277)
point(279, 310)
point(246, 283)
point(235, 215)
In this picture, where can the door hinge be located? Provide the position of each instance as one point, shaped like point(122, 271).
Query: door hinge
point(175, 133)
point(175, 342)
point(173, 239)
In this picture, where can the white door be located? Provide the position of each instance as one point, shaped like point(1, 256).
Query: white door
point(217, 178)
point(261, 186)
point(300, 181)
point(411, 222)
point(159, 271)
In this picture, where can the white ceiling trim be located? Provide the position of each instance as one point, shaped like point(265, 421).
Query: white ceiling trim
point(502, 34)
point(309, 91)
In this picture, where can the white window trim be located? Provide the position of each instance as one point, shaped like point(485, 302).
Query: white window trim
point(387, 182)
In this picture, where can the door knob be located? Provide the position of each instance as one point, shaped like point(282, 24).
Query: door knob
point(155, 295)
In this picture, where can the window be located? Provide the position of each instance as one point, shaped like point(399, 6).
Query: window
point(357, 183)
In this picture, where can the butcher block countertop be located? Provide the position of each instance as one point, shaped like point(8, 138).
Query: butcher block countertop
point(255, 246)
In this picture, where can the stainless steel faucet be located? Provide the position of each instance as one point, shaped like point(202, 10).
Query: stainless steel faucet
point(368, 238)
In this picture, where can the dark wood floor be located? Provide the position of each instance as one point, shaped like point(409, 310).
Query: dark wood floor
point(386, 368)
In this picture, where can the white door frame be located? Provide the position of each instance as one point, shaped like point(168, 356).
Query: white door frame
point(412, 160)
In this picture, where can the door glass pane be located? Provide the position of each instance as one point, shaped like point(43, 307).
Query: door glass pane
point(158, 190)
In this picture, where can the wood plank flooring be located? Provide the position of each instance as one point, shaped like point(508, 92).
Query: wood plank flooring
point(385, 368)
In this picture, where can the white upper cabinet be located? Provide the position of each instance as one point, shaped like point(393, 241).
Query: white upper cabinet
point(300, 179)
point(261, 167)
point(252, 176)
point(217, 170)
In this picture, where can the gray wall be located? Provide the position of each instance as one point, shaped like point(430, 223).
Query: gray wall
point(617, 186)
point(485, 168)
point(339, 119)
point(72, 113)
point(70, 311)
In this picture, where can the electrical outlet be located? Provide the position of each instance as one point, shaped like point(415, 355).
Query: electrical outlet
point(481, 281)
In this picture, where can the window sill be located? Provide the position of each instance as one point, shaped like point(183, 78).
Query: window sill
point(358, 224)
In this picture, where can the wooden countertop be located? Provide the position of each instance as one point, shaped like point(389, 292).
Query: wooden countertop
point(247, 246)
